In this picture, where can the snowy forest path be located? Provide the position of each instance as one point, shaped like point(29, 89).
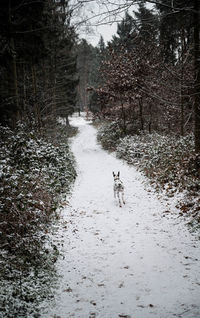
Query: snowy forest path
point(135, 261)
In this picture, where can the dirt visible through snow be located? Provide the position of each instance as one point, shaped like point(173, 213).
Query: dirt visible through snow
point(136, 261)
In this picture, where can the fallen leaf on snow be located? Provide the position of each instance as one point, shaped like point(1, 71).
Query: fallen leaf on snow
point(68, 290)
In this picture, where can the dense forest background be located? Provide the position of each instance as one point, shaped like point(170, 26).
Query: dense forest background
point(37, 62)
point(148, 76)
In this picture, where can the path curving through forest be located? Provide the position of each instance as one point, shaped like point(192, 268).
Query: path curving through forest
point(135, 261)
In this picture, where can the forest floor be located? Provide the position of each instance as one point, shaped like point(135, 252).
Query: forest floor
point(137, 261)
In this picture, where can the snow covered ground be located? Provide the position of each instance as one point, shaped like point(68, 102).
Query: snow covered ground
point(136, 261)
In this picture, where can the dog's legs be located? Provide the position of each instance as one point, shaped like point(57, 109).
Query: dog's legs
point(114, 192)
point(123, 197)
point(119, 199)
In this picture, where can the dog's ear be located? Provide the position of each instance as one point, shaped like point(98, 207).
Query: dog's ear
point(113, 174)
point(118, 173)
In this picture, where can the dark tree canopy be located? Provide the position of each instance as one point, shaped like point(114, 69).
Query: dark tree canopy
point(37, 62)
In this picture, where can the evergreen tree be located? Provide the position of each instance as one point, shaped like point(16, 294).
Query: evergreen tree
point(147, 24)
point(126, 33)
point(84, 60)
point(21, 41)
point(37, 63)
point(66, 79)
point(89, 61)
point(175, 24)
point(101, 45)
point(96, 78)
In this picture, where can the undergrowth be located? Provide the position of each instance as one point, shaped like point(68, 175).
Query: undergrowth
point(169, 162)
point(109, 134)
point(35, 172)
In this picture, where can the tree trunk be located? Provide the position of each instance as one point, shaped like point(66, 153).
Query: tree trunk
point(197, 76)
point(181, 59)
point(150, 118)
point(182, 103)
point(34, 84)
point(15, 82)
point(123, 117)
point(66, 120)
point(36, 102)
point(13, 71)
point(24, 89)
point(141, 113)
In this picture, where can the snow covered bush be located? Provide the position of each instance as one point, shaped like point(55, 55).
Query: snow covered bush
point(33, 174)
point(166, 159)
point(171, 164)
point(131, 149)
point(109, 135)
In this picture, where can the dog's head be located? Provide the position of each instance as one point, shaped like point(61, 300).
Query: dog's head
point(116, 176)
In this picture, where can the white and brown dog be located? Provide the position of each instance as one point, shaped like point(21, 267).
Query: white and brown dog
point(118, 188)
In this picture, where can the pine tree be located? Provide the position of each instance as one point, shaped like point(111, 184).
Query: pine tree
point(147, 25)
point(126, 33)
point(66, 78)
point(37, 63)
point(84, 61)
point(21, 41)
point(175, 23)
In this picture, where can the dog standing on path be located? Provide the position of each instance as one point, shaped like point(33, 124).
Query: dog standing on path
point(118, 188)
